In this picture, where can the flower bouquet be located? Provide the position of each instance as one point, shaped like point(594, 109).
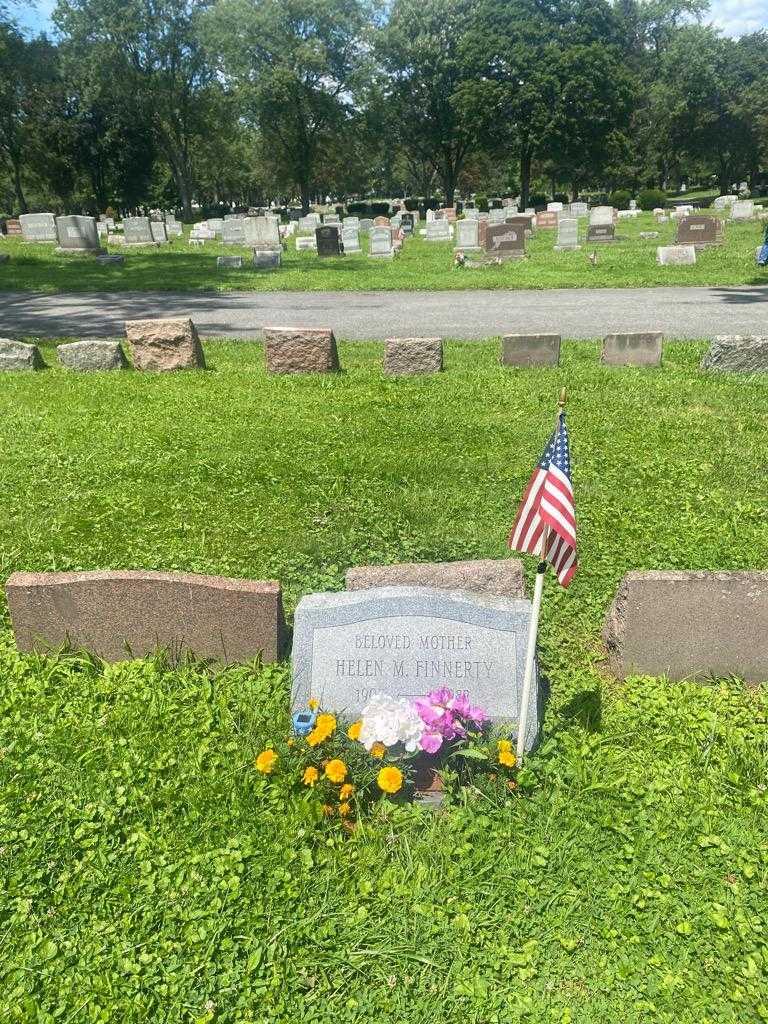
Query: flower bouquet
point(397, 749)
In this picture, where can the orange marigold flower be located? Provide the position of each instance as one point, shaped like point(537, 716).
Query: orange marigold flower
point(378, 750)
point(390, 779)
point(336, 770)
point(313, 704)
point(346, 791)
point(354, 730)
point(315, 737)
point(266, 761)
point(310, 776)
point(344, 810)
point(507, 758)
point(326, 725)
point(504, 745)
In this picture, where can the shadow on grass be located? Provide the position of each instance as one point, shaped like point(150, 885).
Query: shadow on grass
point(585, 709)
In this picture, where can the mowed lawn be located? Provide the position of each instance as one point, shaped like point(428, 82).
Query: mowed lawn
point(145, 874)
point(629, 262)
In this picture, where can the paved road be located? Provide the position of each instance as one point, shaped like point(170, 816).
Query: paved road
point(573, 313)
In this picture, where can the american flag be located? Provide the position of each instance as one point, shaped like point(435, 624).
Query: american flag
point(548, 502)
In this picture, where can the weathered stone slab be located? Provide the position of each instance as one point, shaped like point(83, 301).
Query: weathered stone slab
point(92, 354)
point(267, 259)
point(412, 356)
point(137, 231)
point(119, 615)
point(159, 345)
point(500, 577)
point(690, 625)
point(737, 354)
point(641, 349)
point(530, 350)
point(158, 232)
point(676, 255)
point(300, 350)
point(405, 641)
point(78, 234)
point(110, 260)
point(229, 262)
point(38, 227)
point(601, 233)
point(699, 230)
point(17, 355)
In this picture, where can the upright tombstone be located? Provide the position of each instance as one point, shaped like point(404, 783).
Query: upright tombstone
point(700, 231)
point(554, 207)
point(262, 233)
point(567, 234)
point(13, 226)
point(406, 641)
point(410, 357)
point(501, 577)
point(78, 234)
point(160, 345)
point(743, 209)
point(407, 222)
point(233, 232)
point(216, 224)
point(159, 233)
point(350, 239)
point(579, 210)
point(38, 227)
point(131, 614)
point(546, 220)
point(327, 239)
point(525, 350)
point(689, 625)
point(439, 231)
point(601, 233)
point(380, 243)
point(505, 242)
point(602, 215)
point(137, 231)
point(468, 236)
point(640, 349)
point(300, 350)
point(676, 255)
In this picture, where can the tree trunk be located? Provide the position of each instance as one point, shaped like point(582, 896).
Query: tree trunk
point(305, 197)
point(525, 176)
point(18, 187)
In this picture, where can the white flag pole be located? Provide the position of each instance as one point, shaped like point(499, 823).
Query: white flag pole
point(530, 654)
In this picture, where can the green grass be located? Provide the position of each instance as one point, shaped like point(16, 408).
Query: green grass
point(146, 877)
point(426, 266)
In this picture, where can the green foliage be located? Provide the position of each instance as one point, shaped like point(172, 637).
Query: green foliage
point(652, 198)
point(620, 199)
point(481, 202)
point(148, 875)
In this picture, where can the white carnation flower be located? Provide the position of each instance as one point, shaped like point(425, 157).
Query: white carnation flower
point(390, 721)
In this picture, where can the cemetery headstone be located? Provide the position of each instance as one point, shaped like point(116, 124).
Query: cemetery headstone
point(350, 239)
point(267, 259)
point(157, 229)
point(743, 209)
point(601, 233)
point(305, 243)
point(699, 231)
point(17, 355)
point(439, 231)
point(502, 577)
point(78, 234)
point(13, 226)
point(161, 345)
point(579, 209)
point(38, 227)
point(468, 235)
point(137, 231)
point(554, 207)
point(131, 614)
point(640, 349)
point(525, 350)
point(567, 234)
point(110, 259)
point(233, 232)
point(92, 354)
point(546, 220)
point(689, 625)
point(408, 357)
point(229, 262)
point(602, 215)
point(505, 241)
point(365, 224)
point(407, 222)
point(735, 353)
point(327, 239)
point(405, 641)
point(300, 350)
point(262, 232)
point(380, 243)
point(676, 255)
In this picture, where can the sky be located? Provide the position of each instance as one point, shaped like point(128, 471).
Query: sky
point(734, 17)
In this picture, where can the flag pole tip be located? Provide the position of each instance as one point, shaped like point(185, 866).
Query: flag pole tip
point(561, 400)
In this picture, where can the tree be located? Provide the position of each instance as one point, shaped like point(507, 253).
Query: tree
point(296, 64)
point(153, 51)
point(421, 52)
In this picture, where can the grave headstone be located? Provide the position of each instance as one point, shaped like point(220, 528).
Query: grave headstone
point(233, 232)
point(158, 231)
point(579, 210)
point(546, 220)
point(78, 234)
point(380, 243)
point(216, 224)
point(38, 227)
point(567, 234)
point(407, 222)
point(405, 641)
point(17, 355)
point(92, 354)
point(601, 233)
point(305, 243)
point(602, 215)
point(530, 350)
point(137, 231)
point(699, 231)
point(110, 259)
point(409, 357)
point(229, 262)
point(733, 353)
point(131, 614)
point(350, 239)
point(743, 209)
point(675, 255)
point(267, 259)
point(554, 207)
point(439, 231)
point(468, 235)
point(505, 241)
point(327, 239)
point(262, 232)
point(689, 625)
point(13, 226)
point(502, 577)
point(300, 350)
point(160, 345)
point(365, 224)
point(640, 349)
